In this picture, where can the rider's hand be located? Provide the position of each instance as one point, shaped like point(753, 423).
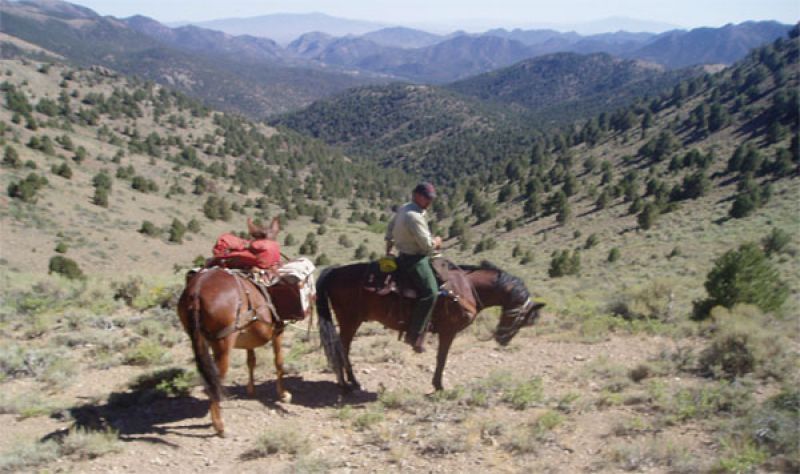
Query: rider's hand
point(437, 242)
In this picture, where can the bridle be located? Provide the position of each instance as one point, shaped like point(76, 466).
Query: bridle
point(519, 317)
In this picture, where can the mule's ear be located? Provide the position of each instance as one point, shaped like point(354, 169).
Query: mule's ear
point(256, 231)
point(274, 228)
point(252, 229)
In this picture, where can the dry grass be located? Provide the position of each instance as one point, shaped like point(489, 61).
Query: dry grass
point(278, 440)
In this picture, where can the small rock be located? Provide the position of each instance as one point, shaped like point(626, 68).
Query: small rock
point(579, 358)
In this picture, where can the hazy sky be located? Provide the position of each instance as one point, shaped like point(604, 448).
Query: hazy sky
point(501, 13)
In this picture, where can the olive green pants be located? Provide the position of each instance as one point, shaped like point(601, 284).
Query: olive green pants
point(418, 269)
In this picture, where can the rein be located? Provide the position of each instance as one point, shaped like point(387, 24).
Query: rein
point(478, 302)
point(518, 319)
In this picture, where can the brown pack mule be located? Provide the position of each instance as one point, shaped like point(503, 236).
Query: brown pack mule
point(222, 311)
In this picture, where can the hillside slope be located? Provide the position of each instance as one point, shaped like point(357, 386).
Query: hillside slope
point(162, 158)
point(250, 81)
point(565, 86)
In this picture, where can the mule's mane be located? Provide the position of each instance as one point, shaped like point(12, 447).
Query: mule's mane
point(519, 293)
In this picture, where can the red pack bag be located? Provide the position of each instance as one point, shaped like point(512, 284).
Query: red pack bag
point(227, 244)
point(266, 252)
point(235, 252)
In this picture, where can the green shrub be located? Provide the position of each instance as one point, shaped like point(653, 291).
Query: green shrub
point(145, 185)
point(11, 157)
point(176, 231)
point(707, 401)
point(613, 255)
point(485, 244)
point(85, 444)
point(361, 252)
point(279, 441)
point(745, 276)
point(26, 189)
point(743, 205)
point(127, 291)
point(66, 267)
point(147, 352)
point(169, 383)
point(61, 247)
point(193, 226)
point(345, 241)
point(648, 216)
point(652, 301)
point(100, 197)
point(24, 457)
point(591, 241)
point(776, 241)
point(525, 394)
point(405, 400)
point(773, 428)
point(217, 208)
point(743, 343)
point(367, 419)
point(149, 229)
point(563, 263)
point(26, 405)
point(62, 170)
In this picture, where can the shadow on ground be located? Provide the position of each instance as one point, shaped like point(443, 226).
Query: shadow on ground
point(146, 415)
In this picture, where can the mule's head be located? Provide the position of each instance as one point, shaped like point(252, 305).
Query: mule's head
point(519, 308)
point(515, 318)
point(260, 232)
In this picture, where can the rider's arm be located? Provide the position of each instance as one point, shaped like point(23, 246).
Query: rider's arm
point(418, 228)
point(389, 237)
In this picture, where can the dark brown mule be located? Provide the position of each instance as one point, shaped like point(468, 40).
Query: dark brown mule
point(223, 311)
point(342, 288)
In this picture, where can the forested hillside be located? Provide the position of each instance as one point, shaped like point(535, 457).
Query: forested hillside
point(399, 118)
point(125, 172)
point(564, 87)
point(690, 112)
point(233, 74)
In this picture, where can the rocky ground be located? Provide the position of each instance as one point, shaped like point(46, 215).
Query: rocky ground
point(549, 402)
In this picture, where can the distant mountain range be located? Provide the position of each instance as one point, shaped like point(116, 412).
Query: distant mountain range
point(236, 73)
point(285, 27)
point(259, 77)
point(461, 55)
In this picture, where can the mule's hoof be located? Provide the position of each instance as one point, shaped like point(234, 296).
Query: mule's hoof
point(221, 433)
point(286, 397)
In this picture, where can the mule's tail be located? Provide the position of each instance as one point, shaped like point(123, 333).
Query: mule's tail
point(334, 351)
point(202, 357)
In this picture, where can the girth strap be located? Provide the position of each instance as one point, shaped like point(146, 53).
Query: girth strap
point(250, 316)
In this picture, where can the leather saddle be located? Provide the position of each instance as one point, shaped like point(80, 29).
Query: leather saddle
point(454, 287)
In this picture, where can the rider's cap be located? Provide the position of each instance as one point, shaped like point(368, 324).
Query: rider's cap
point(426, 189)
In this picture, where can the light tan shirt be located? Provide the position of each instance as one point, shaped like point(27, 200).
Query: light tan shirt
point(409, 231)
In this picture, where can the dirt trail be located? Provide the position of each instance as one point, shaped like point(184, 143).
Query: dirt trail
point(425, 435)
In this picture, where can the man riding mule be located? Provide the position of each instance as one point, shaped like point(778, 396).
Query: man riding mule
point(408, 232)
point(346, 292)
point(235, 303)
